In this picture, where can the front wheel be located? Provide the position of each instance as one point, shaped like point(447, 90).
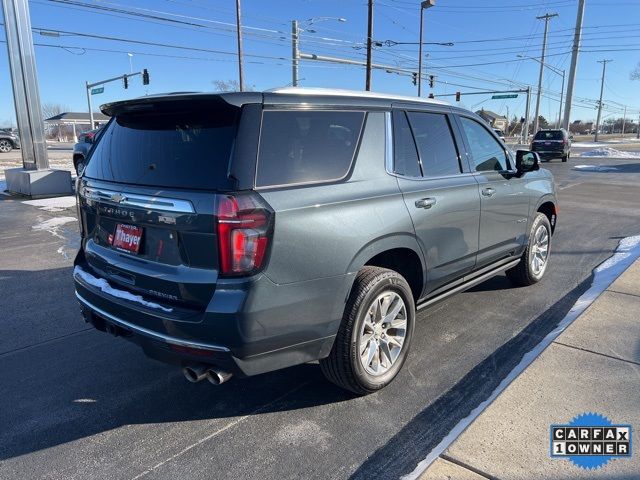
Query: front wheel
point(5, 146)
point(375, 333)
point(535, 258)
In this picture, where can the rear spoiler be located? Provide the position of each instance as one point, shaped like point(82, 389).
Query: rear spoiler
point(174, 99)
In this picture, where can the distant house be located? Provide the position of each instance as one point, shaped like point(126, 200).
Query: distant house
point(496, 121)
point(58, 124)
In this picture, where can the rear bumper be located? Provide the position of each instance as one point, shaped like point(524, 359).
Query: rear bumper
point(249, 327)
point(550, 153)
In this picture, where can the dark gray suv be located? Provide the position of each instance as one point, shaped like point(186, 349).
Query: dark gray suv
point(240, 233)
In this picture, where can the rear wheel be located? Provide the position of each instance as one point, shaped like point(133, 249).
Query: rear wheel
point(79, 164)
point(535, 258)
point(375, 334)
point(5, 146)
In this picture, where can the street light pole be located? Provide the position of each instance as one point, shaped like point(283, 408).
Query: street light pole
point(604, 69)
point(423, 5)
point(546, 19)
point(561, 98)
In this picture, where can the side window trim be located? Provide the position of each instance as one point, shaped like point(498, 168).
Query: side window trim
point(470, 160)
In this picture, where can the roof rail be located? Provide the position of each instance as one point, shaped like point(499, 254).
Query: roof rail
point(338, 92)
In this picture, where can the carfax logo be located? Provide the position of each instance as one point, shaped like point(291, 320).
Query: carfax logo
point(590, 440)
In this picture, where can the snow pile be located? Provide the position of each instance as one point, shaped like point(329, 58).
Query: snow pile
point(57, 204)
point(610, 152)
point(102, 284)
point(594, 168)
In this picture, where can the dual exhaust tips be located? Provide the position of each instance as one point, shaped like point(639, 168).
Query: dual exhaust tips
point(198, 372)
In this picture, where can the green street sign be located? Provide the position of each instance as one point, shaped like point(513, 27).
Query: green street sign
point(96, 91)
point(498, 97)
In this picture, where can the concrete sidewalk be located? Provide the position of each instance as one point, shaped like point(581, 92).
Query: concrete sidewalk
point(593, 366)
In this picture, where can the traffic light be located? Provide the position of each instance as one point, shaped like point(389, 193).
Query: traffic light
point(414, 78)
point(126, 81)
point(145, 77)
point(457, 96)
point(432, 80)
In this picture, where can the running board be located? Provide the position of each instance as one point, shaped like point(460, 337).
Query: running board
point(471, 282)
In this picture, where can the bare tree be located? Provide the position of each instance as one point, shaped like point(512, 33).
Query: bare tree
point(635, 73)
point(230, 86)
point(49, 110)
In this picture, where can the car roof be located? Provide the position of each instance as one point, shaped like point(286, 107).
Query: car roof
point(284, 95)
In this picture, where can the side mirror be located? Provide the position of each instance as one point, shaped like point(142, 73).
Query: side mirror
point(527, 161)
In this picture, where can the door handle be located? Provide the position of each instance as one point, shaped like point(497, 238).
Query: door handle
point(425, 202)
point(488, 192)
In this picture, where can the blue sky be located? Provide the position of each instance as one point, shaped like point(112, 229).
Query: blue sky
point(506, 28)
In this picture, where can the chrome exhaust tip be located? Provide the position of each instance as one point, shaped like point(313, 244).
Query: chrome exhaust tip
point(195, 373)
point(218, 377)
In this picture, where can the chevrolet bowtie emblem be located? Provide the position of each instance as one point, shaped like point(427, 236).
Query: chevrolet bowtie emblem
point(117, 197)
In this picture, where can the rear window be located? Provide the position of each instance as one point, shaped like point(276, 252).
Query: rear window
point(306, 146)
point(185, 146)
point(549, 135)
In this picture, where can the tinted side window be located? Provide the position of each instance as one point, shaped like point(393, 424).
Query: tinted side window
point(405, 155)
point(486, 151)
point(306, 146)
point(437, 149)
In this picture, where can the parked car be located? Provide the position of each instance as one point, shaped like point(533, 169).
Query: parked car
point(9, 140)
point(550, 144)
point(500, 134)
point(240, 233)
point(82, 148)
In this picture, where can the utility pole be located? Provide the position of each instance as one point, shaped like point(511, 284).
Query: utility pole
point(295, 52)
point(574, 65)
point(239, 32)
point(423, 6)
point(624, 120)
point(546, 19)
point(525, 130)
point(604, 69)
point(369, 45)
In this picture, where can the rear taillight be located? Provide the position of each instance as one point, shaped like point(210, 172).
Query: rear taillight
point(244, 228)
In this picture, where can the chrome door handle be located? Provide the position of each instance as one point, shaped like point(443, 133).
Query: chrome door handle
point(488, 192)
point(425, 202)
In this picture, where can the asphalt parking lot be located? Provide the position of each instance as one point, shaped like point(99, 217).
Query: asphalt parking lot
point(78, 403)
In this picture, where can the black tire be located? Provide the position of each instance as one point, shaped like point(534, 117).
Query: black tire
point(343, 365)
point(523, 274)
point(565, 158)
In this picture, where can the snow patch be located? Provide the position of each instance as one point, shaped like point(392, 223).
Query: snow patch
point(57, 204)
point(609, 152)
point(102, 284)
point(594, 168)
point(53, 225)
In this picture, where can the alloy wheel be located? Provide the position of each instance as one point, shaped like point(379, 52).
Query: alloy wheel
point(383, 333)
point(539, 250)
